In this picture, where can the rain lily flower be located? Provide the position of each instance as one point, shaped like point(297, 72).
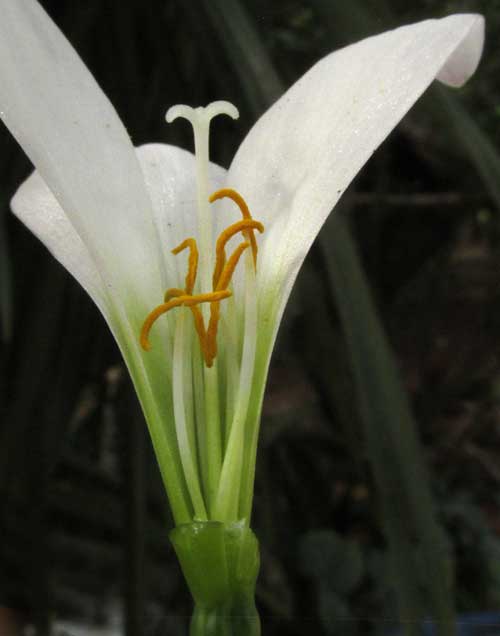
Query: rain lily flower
point(196, 327)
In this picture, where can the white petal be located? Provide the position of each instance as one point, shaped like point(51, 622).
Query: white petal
point(302, 154)
point(70, 131)
point(35, 205)
point(170, 177)
point(463, 61)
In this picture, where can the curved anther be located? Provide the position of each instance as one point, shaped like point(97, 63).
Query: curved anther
point(229, 193)
point(199, 325)
point(153, 316)
point(224, 237)
point(224, 280)
point(192, 263)
point(173, 292)
point(185, 300)
point(209, 297)
point(230, 266)
point(211, 334)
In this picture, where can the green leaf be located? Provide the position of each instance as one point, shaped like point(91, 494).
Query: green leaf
point(245, 52)
point(349, 21)
point(477, 145)
point(407, 511)
point(335, 615)
point(333, 561)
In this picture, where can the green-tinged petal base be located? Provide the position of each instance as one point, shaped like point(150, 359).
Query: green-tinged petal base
point(220, 563)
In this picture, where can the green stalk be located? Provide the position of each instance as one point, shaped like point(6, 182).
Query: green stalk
point(420, 560)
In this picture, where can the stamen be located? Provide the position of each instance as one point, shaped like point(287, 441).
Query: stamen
point(173, 292)
point(192, 263)
point(185, 300)
point(209, 297)
point(230, 266)
point(208, 338)
point(224, 237)
point(199, 325)
point(153, 317)
point(224, 280)
point(211, 335)
point(229, 193)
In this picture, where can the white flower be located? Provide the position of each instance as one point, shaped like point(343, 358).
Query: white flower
point(112, 214)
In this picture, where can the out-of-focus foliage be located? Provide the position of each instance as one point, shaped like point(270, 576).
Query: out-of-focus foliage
point(82, 513)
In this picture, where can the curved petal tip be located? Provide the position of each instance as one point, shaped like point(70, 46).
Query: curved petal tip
point(464, 60)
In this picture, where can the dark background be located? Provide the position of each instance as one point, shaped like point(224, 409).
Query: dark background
point(84, 520)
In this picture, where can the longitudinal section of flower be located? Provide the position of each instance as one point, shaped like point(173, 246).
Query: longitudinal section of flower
point(212, 370)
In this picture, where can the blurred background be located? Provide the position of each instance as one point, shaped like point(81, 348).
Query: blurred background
point(378, 477)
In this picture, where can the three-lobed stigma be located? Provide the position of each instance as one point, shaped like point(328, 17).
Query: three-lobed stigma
point(223, 272)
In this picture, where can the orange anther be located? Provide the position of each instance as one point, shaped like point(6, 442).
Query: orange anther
point(173, 292)
point(229, 267)
point(192, 263)
point(199, 325)
point(235, 196)
point(224, 237)
point(229, 193)
point(208, 338)
point(186, 300)
point(224, 280)
point(210, 297)
point(153, 317)
point(211, 334)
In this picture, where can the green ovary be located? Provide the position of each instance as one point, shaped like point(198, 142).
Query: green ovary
point(220, 563)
